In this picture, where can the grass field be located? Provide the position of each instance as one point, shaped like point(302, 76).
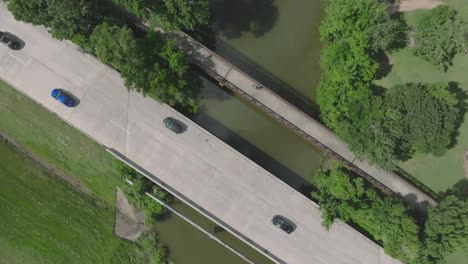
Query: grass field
point(53, 140)
point(43, 220)
point(438, 173)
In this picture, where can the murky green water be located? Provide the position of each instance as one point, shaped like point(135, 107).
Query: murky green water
point(277, 43)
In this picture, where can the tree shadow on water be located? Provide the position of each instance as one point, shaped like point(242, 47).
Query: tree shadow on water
point(232, 18)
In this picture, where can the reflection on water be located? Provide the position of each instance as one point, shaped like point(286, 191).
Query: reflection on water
point(288, 48)
point(234, 18)
point(258, 137)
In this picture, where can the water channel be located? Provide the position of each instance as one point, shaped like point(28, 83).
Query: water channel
point(277, 43)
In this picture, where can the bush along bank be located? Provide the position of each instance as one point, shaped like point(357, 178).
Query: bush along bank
point(136, 192)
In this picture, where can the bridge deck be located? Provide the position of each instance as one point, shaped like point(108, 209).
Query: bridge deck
point(310, 129)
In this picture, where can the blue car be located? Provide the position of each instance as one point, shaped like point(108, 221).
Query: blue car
point(60, 96)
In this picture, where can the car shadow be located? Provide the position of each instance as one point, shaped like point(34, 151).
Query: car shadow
point(73, 97)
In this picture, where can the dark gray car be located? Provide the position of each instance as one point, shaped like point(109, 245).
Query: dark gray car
point(8, 40)
point(174, 125)
point(283, 223)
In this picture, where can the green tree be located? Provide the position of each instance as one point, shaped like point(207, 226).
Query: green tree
point(114, 45)
point(66, 19)
point(440, 35)
point(344, 19)
point(73, 17)
point(429, 114)
point(139, 8)
point(150, 250)
point(30, 11)
point(446, 229)
point(171, 79)
point(342, 195)
point(181, 14)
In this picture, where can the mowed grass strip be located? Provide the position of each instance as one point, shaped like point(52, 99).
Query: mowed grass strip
point(438, 173)
point(43, 220)
point(56, 142)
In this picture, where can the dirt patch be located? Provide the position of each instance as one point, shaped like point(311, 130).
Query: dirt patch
point(49, 167)
point(129, 221)
point(466, 164)
point(410, 5)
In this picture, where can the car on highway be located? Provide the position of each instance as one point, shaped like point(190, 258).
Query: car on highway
point(174, 125)
point(283, 223)
point(8, 40)
point(62, 97)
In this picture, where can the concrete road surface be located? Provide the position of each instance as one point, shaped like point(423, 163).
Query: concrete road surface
point(235, 191)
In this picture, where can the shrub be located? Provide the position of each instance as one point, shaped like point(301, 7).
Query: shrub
point(440, 35)
point(342, 195)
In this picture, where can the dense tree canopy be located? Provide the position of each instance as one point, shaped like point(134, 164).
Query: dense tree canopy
point(67, 19)
point(151, 65)
point(353, 32)
point(182, 14)
point(370, 18)
point(446, 229)
point(342, 195)
point(114, 45)
point(428, 115)
point(383, 128)
point(170, 14)
point(440, 35)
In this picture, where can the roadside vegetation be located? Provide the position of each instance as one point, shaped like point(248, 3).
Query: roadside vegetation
point(44, 220)
point(41, 202)
point(343, 195)
point(170, 14)
point(147, 62)
point(362, 113)
point(136, 192)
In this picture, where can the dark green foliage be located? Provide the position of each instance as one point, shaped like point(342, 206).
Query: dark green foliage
point(345, 81)
point(136, 193)
point(151, 251)
point(139, 8)
point(446, 227)
point(67, 19)
point(150, 65)
point(181, 14)
point(31, 11)
point(440, 35)
point(114, 45)
point(342, 195)
point(428, 115)
point(354, 31)
point(374, 133)
point(380, 129)
point(170, 14)
point(369, 18)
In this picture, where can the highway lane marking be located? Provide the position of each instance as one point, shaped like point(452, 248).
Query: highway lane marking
point(14, 57)
point(117, 125)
